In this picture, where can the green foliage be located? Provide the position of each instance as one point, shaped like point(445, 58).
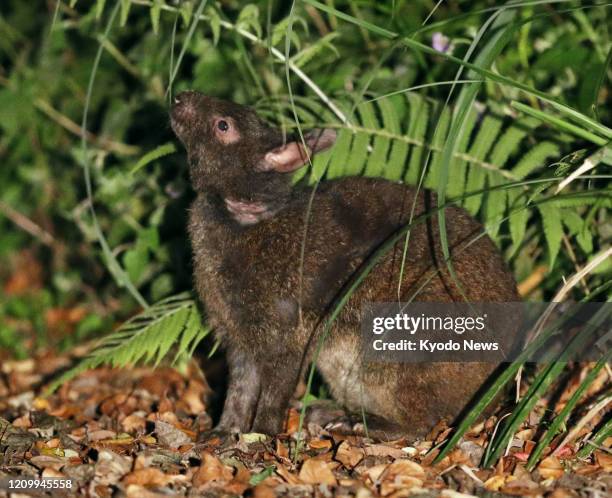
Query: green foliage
point(391, 137)
point(495, 148)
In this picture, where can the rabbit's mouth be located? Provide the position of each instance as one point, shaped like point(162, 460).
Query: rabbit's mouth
point(248, 213)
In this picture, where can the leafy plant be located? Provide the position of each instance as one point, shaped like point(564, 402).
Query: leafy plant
point(170, 326)
point(513, 132)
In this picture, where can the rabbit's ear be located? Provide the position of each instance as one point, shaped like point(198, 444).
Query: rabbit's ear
point(293, 155)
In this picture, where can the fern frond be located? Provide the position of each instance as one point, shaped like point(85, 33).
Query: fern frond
point(394, 137)
point(419, 119)
point(489, 129)
point(437, 142)
point(147, 337)
point(553, 230)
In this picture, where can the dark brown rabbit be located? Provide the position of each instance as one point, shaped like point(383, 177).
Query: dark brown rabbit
point(267, 287)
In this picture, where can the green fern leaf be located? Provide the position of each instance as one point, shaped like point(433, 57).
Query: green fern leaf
point(495, 204)
point(215, 24)
point(417, 129)
point(487, 133)
point(340, 156)
point(437, 142)
point(519, 215)
point(320, 164)
point(146, 337)
point(535, 159)
point(367, 114)
point(161, 151)
point(510, 140)
point(577, 226)
point(396, 162)
point(457, 173)
point(553, 230)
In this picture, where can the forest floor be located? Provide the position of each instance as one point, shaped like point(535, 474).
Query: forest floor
point(132, 433)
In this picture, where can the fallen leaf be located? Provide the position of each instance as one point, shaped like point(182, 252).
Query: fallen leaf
point(320, 444)
point(449, 493)
point(263, 491)
point(495, 483)
point(133, 423)
point(551, 467)
point(348, 455)
point(287, 476)
point(211, 469)
point(136, 491)
point(253, 437)
point(384, 451)
point(315, 471)
point(604, 460)
point(293, 421)
point(521, 487)
point(147, 477)
point(281, 450)
point(169, 435)
point(563, 493)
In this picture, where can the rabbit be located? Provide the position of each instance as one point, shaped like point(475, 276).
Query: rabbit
point(271, 259)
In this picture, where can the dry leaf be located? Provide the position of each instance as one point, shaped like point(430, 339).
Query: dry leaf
point(281, 450)
point(384, 451)
point(263, 491)
point(405, 468)
point(315, 471)
point(375, 472)
point(147, 477)
point(449, 493)
point(287, 476)
point(521, 487)
point(348, 455)
point(551, 467)
point(320, 444)
point(604, 460)
point(563, 493)
point(495, 483)
point(136, 491)
point(293, 421)
point(211, 469)
point(133, 423)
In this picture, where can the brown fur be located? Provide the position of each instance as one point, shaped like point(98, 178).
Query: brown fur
point(268, 309)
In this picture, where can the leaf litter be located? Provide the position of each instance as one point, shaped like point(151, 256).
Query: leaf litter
point(132, 432)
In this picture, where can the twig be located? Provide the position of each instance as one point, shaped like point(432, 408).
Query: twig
point(470, 473)
point(567, 287)
point(572, 255)
point(26, 224)
point(74, 128)
point(532, 281)
point(575, 278)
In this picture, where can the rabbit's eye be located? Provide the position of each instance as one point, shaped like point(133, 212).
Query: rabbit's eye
point(225, 130)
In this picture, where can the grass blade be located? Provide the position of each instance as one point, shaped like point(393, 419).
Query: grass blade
point(559, 123)
point(564, 414)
